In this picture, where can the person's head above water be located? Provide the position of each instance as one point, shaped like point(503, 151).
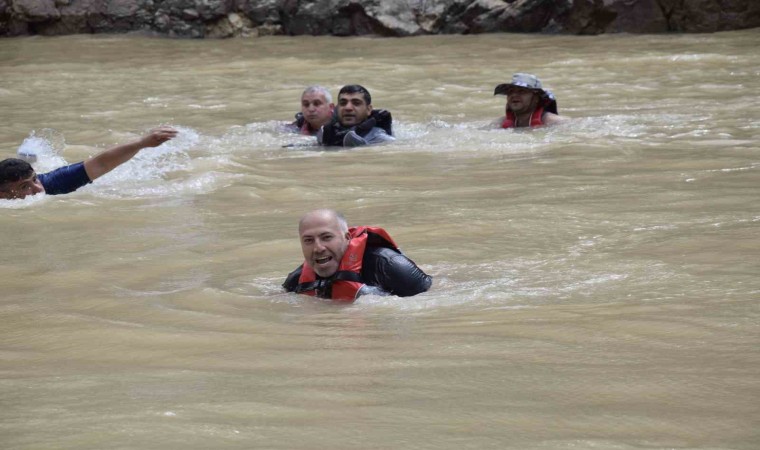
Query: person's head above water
point(324, 239)
point(354, 105)
point(317, 106)
point(18, 179)
point(524, 93)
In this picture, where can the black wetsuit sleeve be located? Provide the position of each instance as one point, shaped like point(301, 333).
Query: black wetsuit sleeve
point(291, 282)
point(396, 273)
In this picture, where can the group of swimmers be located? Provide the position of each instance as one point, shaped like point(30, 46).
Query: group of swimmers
point(354, 122)
point(340, 263)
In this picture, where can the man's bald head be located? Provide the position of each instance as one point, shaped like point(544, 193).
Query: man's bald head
point(324, 239)
point(330, 215)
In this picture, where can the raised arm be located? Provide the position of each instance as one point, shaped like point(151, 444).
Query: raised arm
point(104, 162)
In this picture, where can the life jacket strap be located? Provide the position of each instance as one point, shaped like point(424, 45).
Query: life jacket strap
point(323, 284)
point(316, 285)
point(345, 275)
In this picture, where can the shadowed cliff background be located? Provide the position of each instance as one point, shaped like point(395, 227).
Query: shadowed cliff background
point(228, 18)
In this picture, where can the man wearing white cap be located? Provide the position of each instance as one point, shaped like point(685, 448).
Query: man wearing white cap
point(528, 103)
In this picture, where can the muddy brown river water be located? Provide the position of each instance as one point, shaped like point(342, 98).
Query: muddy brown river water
point(596, 283)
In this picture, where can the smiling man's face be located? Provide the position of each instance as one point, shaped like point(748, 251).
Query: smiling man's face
point(323, 242)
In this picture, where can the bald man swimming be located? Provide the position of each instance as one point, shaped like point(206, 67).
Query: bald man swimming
point(343, 263)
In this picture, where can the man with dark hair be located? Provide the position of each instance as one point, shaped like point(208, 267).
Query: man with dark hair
point(356, 122)
point(343, 263)
point(19, 180)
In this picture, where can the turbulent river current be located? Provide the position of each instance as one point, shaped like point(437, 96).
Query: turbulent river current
point(596, 284)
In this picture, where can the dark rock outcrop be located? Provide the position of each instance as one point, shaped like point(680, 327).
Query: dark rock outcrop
point(225, 18)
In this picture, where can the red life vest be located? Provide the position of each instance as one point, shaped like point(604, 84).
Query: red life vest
point(306, 129)
point(535, 118)
point(346, 283)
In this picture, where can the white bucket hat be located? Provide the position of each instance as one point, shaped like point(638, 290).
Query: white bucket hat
point(529, 81)
point(524, 80)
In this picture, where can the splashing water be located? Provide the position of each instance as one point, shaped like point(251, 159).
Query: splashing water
point(43, 146)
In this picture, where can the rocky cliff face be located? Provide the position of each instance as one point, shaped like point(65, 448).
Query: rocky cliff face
point(226, 18)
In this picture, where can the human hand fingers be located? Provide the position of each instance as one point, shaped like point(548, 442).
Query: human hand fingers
point(160, 135)
point(164, 131)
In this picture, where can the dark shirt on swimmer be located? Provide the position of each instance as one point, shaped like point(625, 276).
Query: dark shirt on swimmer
point(378, 128)
point(384, 272)
point(64, 179)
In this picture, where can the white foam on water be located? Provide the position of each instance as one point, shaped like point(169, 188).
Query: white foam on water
point(265, 139)
point(30, 201)
point(43, 149)
point(509, 284)
point(145, 175)
point(195, 164)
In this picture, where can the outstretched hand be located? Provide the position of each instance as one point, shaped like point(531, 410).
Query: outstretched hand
point(104, 162)
point(158, 136)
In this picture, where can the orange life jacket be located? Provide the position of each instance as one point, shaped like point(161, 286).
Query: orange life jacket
point(535, 118)
point(346, 283)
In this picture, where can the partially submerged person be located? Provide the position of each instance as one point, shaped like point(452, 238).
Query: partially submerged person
point(528, 103)
point(357, 123)
point(342, 263)
point(317, 109)
point(19, 180)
